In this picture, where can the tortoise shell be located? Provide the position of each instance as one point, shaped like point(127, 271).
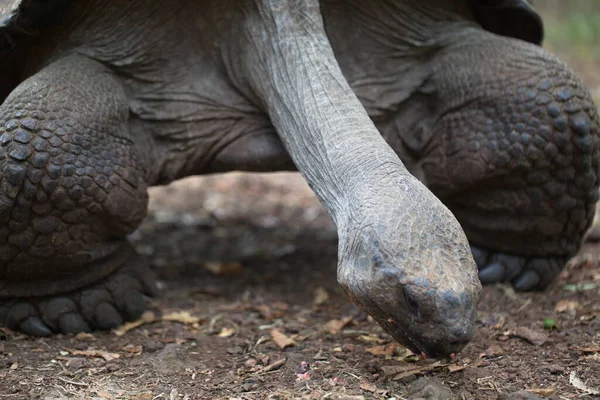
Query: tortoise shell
point(20, 18)
point(514, 18)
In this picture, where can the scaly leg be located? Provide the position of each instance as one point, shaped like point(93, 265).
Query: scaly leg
point(72, 186)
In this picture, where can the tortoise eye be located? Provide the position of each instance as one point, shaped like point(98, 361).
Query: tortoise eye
point(412, 304)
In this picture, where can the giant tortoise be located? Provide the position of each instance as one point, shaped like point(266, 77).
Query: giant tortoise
point(439, 136)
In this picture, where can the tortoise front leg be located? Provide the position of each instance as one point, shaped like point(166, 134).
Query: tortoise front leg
point(72, 187)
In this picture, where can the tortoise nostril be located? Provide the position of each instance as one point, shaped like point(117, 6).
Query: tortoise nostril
point(461, 334)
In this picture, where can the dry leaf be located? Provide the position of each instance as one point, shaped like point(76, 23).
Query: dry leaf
point(146, 318)
point(409, 356)
point(6, 331)
point(594, 349)
point(593, 357)
point(542, 392)
point(133, 349)
point(104, 395)
point(385, 350)
point(412, 372)
point(233, 307)
point(181, 316)
point(85, 336)
point(335, 325)
point(275, 365)
point(94, 353)
point(268, 313)
point(281, 340)
point(226, 332)
point(534, 337)
point(500, 324)
point(457, 368)
point(142, 396)
point(321, 296)
point(400, 372)
point(567, 305)
point(280, 305)
point(579, 384)
point(369, 387)
point(390, 370)
point(493, 351)
point(229, 269)
point(371, 339)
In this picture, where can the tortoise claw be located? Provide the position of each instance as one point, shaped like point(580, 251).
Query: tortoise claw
point(107, 317)
point(104, 305)
point(529, 280)
point(480, 256)
point(492, 273)
point(525, 274)
point(72, 323)
point(34, 326)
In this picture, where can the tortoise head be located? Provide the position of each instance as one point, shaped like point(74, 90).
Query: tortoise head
point(410, 268)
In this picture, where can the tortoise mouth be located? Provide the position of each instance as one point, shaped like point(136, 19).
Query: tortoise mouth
point(440, 347)
point(418, 336)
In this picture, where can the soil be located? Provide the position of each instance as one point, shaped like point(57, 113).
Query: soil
point(250, 309)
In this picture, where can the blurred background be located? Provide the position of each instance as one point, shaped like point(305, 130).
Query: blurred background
point(573, 33)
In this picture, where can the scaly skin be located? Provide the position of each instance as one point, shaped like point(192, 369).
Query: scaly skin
point(149, 92)
point(516, 158)
point(71, 188)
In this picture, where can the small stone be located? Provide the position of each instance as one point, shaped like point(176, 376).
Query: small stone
point(76, 363)
point(429, 389)
point(112, 367)
point(235, 350)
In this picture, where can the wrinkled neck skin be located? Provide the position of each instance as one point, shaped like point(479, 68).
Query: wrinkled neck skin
point(403, 257)
point(389, 52)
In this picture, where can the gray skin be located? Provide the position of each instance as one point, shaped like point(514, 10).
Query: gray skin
point(122, 95)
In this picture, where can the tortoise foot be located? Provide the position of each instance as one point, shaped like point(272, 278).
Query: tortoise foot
point(104, 305)
point(525, 274)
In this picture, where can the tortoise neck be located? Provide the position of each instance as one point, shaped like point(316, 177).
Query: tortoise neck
point(290, 68)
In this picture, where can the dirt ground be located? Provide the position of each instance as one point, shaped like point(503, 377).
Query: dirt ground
point(250, 309)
